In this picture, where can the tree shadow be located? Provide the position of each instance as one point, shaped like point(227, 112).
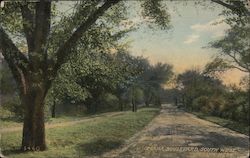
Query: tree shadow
point(12, 151)
point(12, 119)
point(218, 138)
point(98, 147)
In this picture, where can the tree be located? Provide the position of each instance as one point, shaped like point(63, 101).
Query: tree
point(35, 70)
point(194, 84)
point(129, 69)
point(35, 66)
point(235, 48)
point(152, 78)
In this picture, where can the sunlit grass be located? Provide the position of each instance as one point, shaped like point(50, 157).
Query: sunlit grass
point(94, 137)
point(233, 125)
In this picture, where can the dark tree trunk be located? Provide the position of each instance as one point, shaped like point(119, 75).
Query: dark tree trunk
point(120, 103)
point(134, 108)
point(33, 126)
point(121, 106)
point(53, 111)
point(95, 107)
point(133, 105)
point(176, 101)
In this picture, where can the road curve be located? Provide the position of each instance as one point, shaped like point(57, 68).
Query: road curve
point(177, 134)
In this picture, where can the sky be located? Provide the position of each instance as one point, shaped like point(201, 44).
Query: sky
point(183, 46)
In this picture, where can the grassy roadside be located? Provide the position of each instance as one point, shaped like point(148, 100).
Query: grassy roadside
point(84, 139)
point(8, 120)
point(233, 125)
point(9, 123)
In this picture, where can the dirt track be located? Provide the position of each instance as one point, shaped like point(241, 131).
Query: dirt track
point(177, 134)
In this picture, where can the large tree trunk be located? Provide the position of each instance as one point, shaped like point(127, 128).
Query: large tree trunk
point(33, 126)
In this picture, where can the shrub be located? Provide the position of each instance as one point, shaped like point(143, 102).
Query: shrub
point(13, 105)
point(200, 102)
point(216, 105)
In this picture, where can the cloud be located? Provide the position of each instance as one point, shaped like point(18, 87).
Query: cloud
point(216, 28)
point(191, 39)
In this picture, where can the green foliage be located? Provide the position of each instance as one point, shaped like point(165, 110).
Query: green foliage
point(152, 79)
point(156, 11)
point(194, 84)
point(209, 95)
point(234, 46)
point(11, 19)
point(233, 125)
point(201, 102)
point(4, 113)
point(216, 67)
point(13, 105)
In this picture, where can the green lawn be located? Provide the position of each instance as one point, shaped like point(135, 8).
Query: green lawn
point(84, 139)
point(8, 120)
point(233, 125)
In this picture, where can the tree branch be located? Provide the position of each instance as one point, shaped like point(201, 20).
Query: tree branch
point(243, 70)
point(232, 7)
point(11, 52)
point(246, 69)
point(17, 61)
point(28, 25)
point(65, 50)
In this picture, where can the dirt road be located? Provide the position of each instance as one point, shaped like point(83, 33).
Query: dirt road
point(177, 134)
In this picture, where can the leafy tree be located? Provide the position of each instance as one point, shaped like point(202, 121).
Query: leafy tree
point(153, 78)
point(194, 84)
point(235, 48)
point(35, 70)
point(36, 63)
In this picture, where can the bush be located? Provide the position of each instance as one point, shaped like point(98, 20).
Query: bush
point(14, 106)
point(4, 113)
point(216, 105)
point(108, 102)
point(199, 103)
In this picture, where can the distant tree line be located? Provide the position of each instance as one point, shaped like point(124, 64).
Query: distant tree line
point(200, 92)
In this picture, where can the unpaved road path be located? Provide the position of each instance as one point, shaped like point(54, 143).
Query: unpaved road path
point(177, 134)
point(63, 124)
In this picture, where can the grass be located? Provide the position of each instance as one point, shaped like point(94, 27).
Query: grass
point(90, 138)
point(13, 122)
point(233, 125)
